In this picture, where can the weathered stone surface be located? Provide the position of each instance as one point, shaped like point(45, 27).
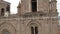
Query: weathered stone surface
point(45, 19)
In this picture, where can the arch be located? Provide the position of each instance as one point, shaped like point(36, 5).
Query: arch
point(2, 11)
point(7, 24)
point(34, 22)
point(9, 27)
point(33, 26)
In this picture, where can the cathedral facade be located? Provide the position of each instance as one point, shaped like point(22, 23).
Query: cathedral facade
point(33, 17)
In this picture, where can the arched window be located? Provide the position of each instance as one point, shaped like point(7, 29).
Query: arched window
point(5, 31)
point(34, 29)
point(34, 5)
point(2, 12)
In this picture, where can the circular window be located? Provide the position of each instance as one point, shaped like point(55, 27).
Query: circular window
point(5, 31)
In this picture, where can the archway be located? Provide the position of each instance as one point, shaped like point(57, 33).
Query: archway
point(2, 12)
point(7, 28)
point(33, 27)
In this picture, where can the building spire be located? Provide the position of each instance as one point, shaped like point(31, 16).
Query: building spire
point(19, 5)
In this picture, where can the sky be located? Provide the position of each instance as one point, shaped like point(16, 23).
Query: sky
point(58, 6)
point(14, 4)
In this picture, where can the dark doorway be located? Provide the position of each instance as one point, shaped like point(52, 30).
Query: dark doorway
point(2, 12)
point(34, 5)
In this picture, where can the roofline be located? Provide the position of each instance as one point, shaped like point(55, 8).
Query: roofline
point(5, 2)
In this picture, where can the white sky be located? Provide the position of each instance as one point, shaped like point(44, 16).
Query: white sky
point(14, 4)
point(58, 6)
